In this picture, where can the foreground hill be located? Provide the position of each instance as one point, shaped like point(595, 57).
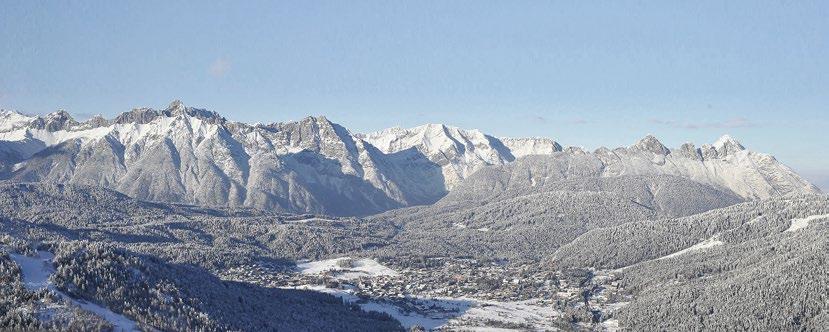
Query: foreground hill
point(754, 266)
point(155, 264)
point(534, 221)
point(588, 254)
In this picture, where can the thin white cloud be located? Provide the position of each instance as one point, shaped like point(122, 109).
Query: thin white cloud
point(738, 122)
point(219, 68)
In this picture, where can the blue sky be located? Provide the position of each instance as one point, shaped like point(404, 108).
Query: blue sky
point(579, 72)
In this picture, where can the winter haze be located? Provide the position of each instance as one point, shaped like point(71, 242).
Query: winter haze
point(414, 166)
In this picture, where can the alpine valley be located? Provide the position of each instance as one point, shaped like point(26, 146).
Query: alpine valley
point(178, 219)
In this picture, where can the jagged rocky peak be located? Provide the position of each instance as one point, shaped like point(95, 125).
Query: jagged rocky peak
point(305, 126)
point(10, 120)
point(55, 121)
point(310, 133)
point(437, 128)
point(177, 108)
point(688, 150)
point(727, 145)
point(574, 150)
point(530, 146)
point(176, 105)
point(651, 144)
point(428, 138)
point(724, 146)
point(137, 115)
point(144, 115)
point(96, 121)
point(320, 120)
point(314, 164)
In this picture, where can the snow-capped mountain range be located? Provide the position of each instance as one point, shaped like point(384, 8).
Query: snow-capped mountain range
point(190, 155)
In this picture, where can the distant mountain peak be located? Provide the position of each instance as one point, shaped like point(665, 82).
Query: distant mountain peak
point(95, 122)
point(10, 120)
point(60, 113)
point(314, 164)
point(55, 121)
point(176, 105)
point(652, 144)
point(141, 115)
point(727, 145)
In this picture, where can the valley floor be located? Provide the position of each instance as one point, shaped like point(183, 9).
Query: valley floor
point(451, 294)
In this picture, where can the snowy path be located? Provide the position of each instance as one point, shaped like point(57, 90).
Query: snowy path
point(712, 242)
point(36, 272)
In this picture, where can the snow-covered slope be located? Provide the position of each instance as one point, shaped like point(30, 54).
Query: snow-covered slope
point(184, 154)
point(725, 165)
point(458, 152)
point(11, 120)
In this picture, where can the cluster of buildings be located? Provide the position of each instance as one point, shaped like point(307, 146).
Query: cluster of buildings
point(444, 277)
point(416, 287)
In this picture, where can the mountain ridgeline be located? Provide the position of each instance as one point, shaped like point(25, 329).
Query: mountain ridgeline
point(189, 155)
point(178, 219)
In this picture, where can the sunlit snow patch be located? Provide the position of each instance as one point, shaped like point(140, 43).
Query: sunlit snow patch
point(712, 242)
point(804, 222)
point(463, 314)
point(363, 267)
point(36, 272)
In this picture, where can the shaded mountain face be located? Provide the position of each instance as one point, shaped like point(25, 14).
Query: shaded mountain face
point(159, 264)
point(189, 155)
point(531, 223)
point(459, 152)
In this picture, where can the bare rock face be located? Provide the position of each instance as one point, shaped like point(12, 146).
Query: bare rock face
point(652, 145)
point(190, 155)
point(726, 165)
point(55, 121)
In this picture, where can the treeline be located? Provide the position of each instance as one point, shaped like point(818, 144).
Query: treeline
point(779, 282)
point(188, 298)
point(630, 243)
point(24, 310)
point(760, 278)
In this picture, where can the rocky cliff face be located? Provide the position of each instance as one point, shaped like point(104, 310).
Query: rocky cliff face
point(190, 155)
point(725, 165)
